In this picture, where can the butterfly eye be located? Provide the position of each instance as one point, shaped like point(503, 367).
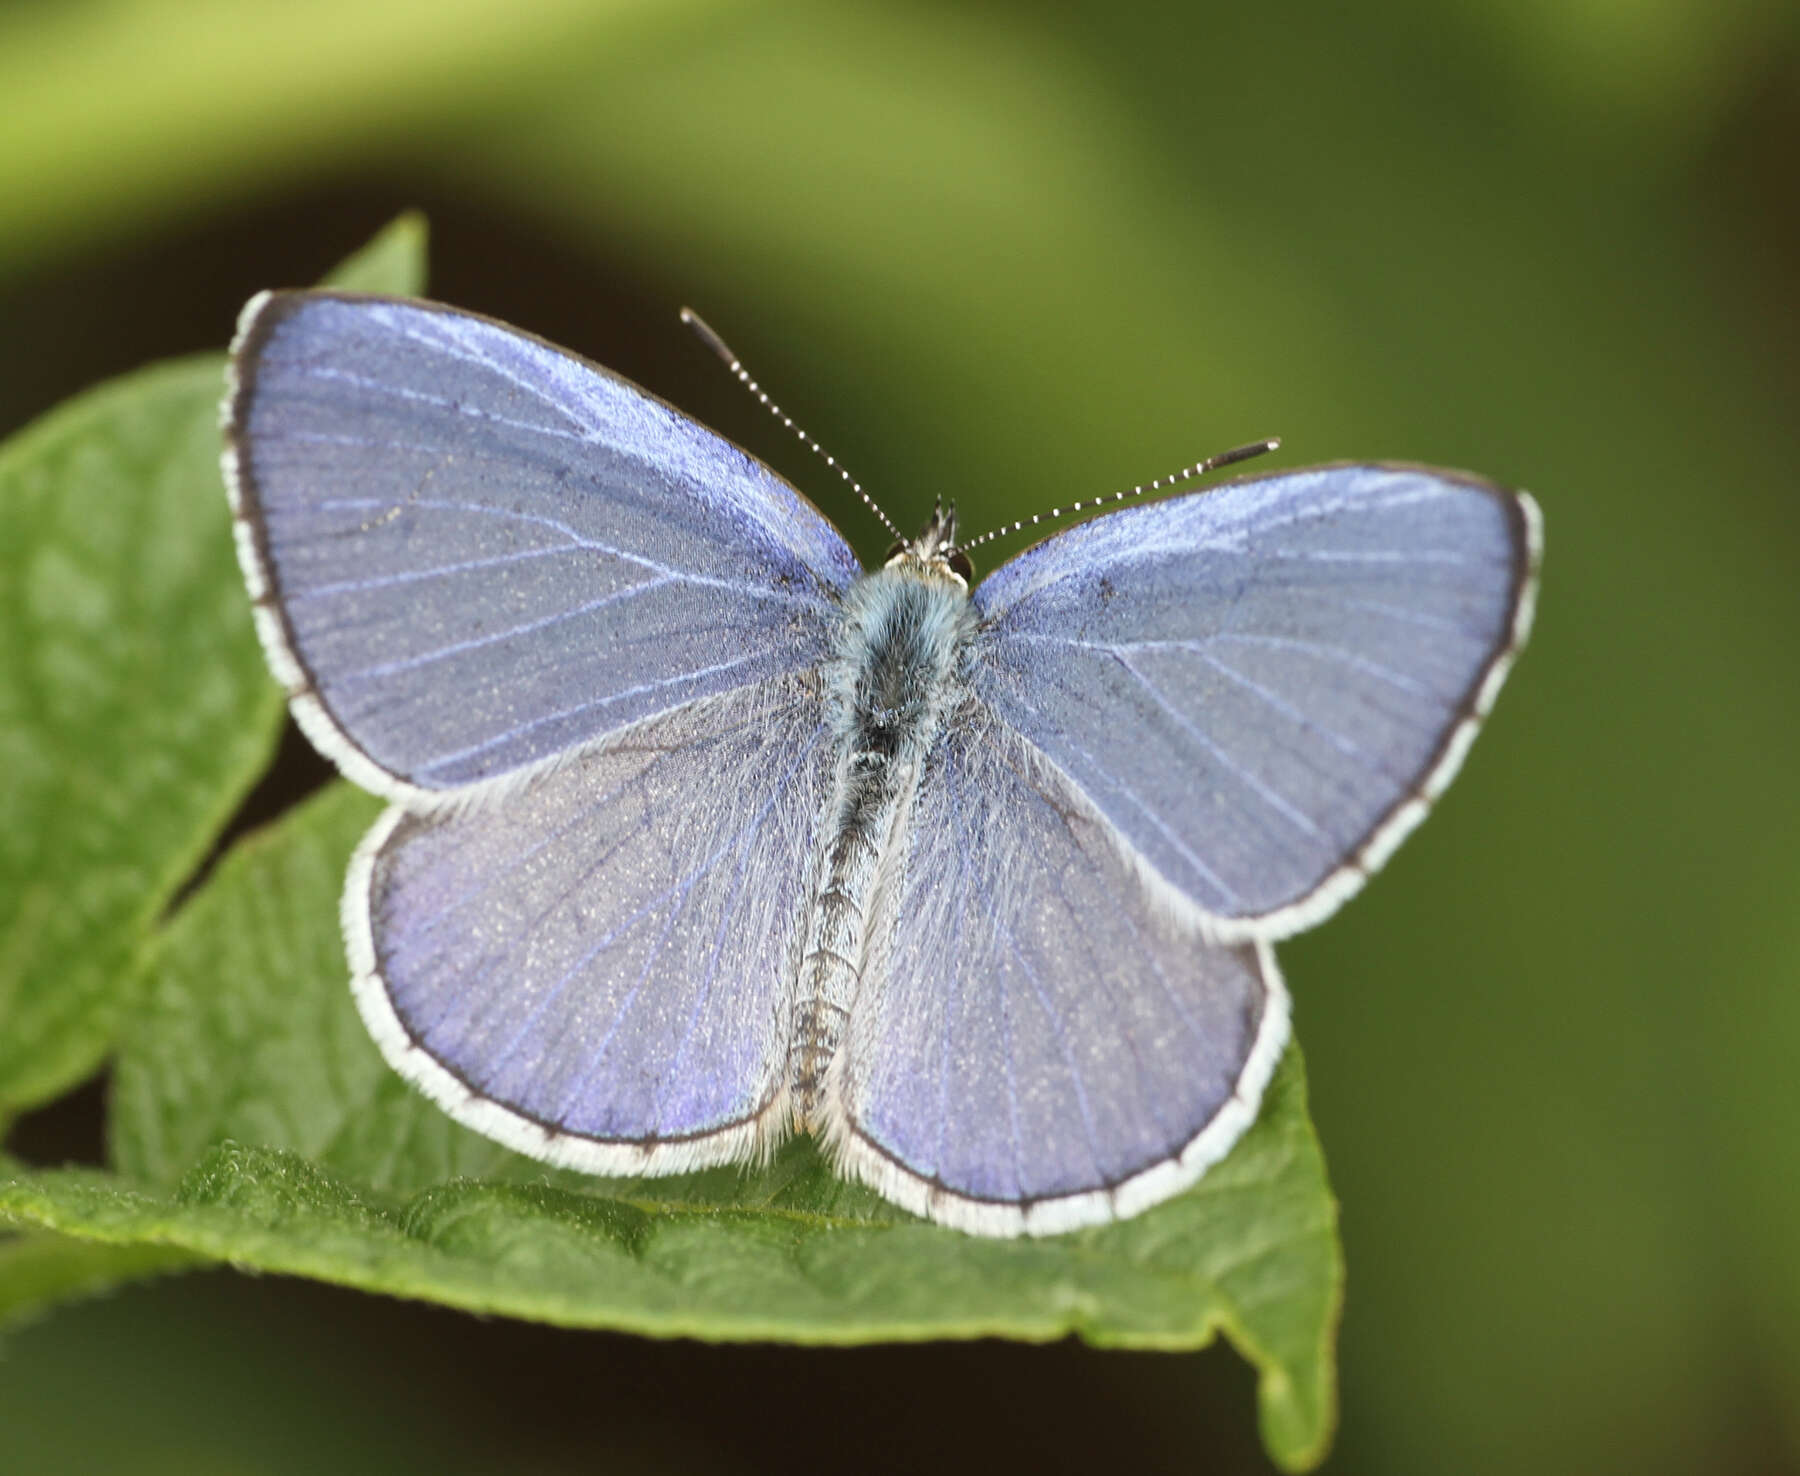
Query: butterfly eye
point(961, 567)
point(895, 549)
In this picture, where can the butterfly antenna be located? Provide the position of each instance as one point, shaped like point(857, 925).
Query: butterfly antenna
point(718, 345)
point(1187, 473)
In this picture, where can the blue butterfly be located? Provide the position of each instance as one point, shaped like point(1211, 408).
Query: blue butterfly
point(702, 835)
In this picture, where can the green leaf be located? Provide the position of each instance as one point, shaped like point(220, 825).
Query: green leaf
point(135, 709)
point(393, 262)
point(254, 1121)
point(39, 1271)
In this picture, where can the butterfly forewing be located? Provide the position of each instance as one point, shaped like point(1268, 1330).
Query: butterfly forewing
point(472, 551)
point(1264, 684)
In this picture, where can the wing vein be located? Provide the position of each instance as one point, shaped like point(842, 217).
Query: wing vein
point(461, 352)
point(1293, 714)
point(1350, 659)
point(443, 761)
point(1059, 1031)
point(475, 643)
point(492, 877)
point(413, 576)
point(454, 407)
point(735, 841)
point(685, 576)
point(1282, 806)
point(679, 889)
point(1187, 853)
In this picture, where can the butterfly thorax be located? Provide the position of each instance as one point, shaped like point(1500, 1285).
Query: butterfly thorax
point(896, 676)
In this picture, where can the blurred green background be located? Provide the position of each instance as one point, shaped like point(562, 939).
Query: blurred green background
point(1016, 254)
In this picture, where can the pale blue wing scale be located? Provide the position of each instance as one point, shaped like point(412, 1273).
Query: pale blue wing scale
point(1264, 684)
point(472, 551)
point(1042, 1041)
point(594, 965)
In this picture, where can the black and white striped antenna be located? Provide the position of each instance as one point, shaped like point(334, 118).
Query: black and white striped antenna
point(718, 345)
point(1186, 474)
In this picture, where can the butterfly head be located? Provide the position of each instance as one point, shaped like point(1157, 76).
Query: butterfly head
point(934, 553)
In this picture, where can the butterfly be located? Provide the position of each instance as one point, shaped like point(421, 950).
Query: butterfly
point(702, 835)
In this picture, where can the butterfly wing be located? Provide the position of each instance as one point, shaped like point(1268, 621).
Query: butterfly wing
point(1265, 685)
point(593, 966)
point(1042, 1039)
point(470, 551)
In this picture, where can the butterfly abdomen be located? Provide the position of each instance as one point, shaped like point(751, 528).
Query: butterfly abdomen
point(895, 673)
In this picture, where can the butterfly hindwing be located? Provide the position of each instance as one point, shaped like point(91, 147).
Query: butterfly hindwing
point(1264, 685)
point(594, 965)
point(471, 551)
point(1043, 1038)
